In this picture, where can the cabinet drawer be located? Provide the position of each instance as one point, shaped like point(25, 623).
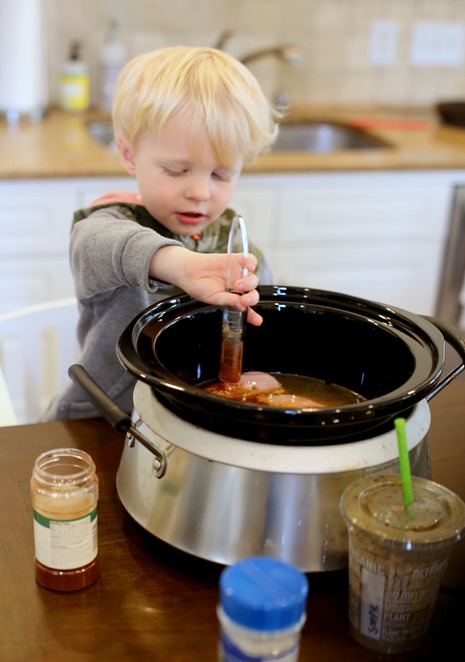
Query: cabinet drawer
point(258, 208)
point(40, 279)
point(335, 214)
point(35, 218)
point(390, 273)
point(87, 190)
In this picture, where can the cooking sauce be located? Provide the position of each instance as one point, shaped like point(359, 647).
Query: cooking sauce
point(67, 580)
point(284, 390)
point(232, 349)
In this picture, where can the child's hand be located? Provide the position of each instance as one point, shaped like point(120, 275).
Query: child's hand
point(205, 276)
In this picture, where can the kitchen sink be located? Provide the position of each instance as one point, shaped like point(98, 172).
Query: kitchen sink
point(323, 138)
point(316, 137)
point(102, 130)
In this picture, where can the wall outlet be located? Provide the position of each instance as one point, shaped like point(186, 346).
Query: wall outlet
point(437, 43)
point(383, 43)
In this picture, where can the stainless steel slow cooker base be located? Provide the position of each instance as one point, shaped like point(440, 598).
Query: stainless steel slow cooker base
point(223, 499)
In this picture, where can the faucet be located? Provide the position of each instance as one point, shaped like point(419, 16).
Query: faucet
point(224, 37)
point(289, 54)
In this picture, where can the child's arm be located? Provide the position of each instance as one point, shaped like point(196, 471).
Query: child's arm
point(204, 276)
point(108, 251)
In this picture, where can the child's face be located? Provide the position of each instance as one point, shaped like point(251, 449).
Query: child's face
point(183, 189)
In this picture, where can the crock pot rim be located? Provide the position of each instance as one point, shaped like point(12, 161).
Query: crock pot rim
point(388, 317)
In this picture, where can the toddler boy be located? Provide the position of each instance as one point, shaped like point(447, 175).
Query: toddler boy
point(185, 120)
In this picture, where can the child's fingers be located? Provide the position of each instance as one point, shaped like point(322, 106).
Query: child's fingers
point(251, 263)
point(240, 301)
point(253, 317)
point(246, 284)
point(251, 298)
point(240, 262)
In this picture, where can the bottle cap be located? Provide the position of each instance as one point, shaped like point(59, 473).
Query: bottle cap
point(263, 593)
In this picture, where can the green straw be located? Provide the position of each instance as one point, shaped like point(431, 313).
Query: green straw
point(404, 462)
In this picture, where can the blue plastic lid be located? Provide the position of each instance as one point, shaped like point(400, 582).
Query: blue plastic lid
point(263, 593)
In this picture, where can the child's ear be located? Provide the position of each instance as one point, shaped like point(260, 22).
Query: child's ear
point(126, 154)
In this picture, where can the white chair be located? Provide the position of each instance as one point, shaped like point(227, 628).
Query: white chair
point(37, 345)
point(7, 413)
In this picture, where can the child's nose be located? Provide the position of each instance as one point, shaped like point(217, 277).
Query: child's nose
point(198, 189)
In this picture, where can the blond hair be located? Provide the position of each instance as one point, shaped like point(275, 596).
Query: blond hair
point(222, 95)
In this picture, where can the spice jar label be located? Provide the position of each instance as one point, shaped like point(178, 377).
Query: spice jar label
point(66, 544)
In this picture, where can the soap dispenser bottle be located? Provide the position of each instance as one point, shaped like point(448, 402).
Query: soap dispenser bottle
point(74, 92)
point(113, 57)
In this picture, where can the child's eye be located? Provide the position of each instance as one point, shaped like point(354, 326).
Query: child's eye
point(174, 173)
point(223, 177)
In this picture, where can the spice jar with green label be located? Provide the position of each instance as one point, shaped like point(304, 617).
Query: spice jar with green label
point(64, 491)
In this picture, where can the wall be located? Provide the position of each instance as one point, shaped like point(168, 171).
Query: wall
point(334, 36)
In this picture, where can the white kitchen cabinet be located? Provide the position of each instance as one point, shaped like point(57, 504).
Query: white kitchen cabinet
point(35, 222)
point(34, 227)
point(377, 235)
point(88, 190)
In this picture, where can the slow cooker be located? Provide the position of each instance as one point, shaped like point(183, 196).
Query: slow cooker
point(223, 479)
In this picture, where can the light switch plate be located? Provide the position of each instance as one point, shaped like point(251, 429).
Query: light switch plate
point(383, 42)
point(437, 43)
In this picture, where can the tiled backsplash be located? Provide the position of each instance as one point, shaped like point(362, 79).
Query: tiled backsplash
point(335, 36)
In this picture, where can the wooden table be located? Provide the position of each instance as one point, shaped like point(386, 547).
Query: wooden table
point(153, 602)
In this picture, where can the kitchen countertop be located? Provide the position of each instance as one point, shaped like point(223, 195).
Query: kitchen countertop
point(60, 146)
point(153, 602)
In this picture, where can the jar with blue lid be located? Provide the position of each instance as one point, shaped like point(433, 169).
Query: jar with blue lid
point(261, 610)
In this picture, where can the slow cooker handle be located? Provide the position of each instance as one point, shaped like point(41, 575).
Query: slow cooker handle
point(113, 412)
point(457, 342)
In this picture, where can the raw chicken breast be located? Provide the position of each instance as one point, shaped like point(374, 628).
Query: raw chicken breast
point(288, 400)
point(250, 385)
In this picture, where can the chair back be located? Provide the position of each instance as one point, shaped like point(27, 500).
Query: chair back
point(7, 413)
point(37, 345)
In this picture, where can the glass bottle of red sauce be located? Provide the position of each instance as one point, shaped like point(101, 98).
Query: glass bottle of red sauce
point(64, 491)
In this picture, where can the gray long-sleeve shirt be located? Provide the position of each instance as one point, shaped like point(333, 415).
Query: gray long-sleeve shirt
point(110, 251)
